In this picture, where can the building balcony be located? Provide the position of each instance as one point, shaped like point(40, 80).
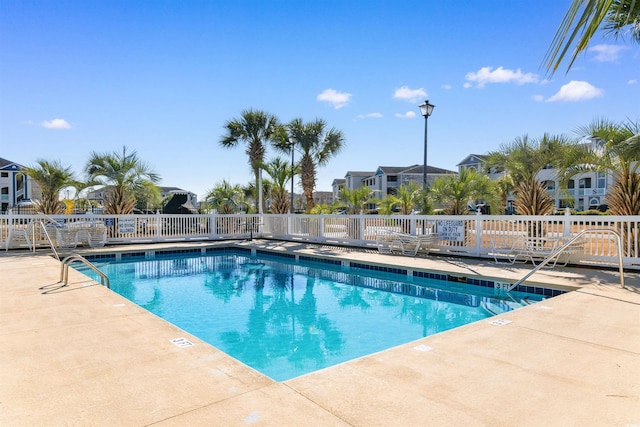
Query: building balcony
point(591, 191)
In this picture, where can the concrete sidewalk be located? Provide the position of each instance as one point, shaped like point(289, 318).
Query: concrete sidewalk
point(83, 355)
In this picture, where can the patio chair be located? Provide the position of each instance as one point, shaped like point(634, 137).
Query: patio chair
point(19, 235)
point(97, 235)
point(388, 241)
point(428, 242)
point(509, 250)
point(66, 237)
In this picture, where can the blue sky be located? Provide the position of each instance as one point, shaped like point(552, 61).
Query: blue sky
point(162, 77)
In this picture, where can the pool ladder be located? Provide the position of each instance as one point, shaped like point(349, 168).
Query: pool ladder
point(568, 244)
point(64, 269)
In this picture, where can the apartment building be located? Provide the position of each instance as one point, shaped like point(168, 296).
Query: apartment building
point(584, 191)
point(386, 180)
point(15, 188)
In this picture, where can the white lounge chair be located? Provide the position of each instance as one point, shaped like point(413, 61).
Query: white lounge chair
point(388, 241)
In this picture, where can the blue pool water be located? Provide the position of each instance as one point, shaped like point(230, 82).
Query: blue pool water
point(287, 318)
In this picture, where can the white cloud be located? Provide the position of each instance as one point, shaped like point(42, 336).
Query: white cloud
point(337, 99)
point(407, 115)
point(370, 115)
point(538, 98)
point(576, 91)
point(410, 95)
point(446, 87)
point(632, 82)
point(500, 75)
point(606, 52)
point(56, 124)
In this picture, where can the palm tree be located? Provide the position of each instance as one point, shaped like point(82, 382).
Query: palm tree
point(51, 177)
point(225, 198)
point(125, 173)
point(280, 172)
point(618, 154)
point(504, 186)
point(455, 192)
point(254, 128)
point(523, 159)
point(584, 18)
point(318, 144)
point(355, 199)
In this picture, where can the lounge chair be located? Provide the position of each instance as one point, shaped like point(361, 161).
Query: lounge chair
point(388, 241)
point(509, 249)
point(97, 235)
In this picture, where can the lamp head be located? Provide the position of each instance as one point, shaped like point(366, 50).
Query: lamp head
point(426, 109)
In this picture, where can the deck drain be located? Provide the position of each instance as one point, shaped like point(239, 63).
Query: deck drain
point(423, 347)
point(500, 322)
point(181, 342)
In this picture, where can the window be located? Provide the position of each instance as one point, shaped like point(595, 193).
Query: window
point(602, 181)
point(392, 178)
point(551, 186)
point(4, 175)
point(584, 183)
point(571, 184)
point(5, 190)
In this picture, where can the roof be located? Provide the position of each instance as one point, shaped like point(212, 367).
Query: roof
point(356, 173)
point(473, 159)
point(432, 170)
point(393, 169)
point(6, 164)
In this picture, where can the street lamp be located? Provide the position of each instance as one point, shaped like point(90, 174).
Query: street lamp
point(425, 109)
point(293, 141)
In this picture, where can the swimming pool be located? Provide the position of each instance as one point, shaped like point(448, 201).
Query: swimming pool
point(287, 318)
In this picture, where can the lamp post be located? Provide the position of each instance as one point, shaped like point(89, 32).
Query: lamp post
point(425, 109)
point(292, 140)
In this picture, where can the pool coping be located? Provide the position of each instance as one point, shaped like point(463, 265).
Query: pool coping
point(63, 358)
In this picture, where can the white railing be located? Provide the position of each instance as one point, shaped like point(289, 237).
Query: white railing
point(466, 235)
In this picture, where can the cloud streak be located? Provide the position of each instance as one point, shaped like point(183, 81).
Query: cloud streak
point(576, 91)
point(487, 75)
point(335, 98)
point(405, 93)
point(606, 52)
point(56, 124)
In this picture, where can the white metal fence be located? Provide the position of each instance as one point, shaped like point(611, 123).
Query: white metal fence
point(468, 235)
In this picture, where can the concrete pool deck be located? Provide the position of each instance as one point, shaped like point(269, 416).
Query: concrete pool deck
point(83, 355)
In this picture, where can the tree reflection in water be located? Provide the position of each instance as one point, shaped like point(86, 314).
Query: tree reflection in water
point(276, 318)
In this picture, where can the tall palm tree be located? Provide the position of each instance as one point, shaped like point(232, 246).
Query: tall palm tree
point(318, 144)
point(523, 159)
point(455, 192)
point(255, 128)
point(124, 173)
point(51, 177)
point(280, 172)
point(584, 18)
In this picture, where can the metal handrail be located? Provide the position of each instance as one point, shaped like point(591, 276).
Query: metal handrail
point(569, 243)
point(64, 270)
point(46, 233)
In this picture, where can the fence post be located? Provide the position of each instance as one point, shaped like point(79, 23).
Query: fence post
point(213, 227)
point(159, 227)
point(566, 223)
point(479, 222)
